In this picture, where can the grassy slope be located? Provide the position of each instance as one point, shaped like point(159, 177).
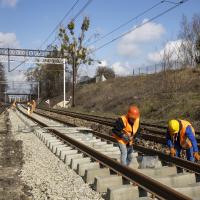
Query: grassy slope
point(160, 96)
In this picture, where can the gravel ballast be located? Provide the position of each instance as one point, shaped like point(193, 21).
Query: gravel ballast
point(46, 175)
point(11, 161)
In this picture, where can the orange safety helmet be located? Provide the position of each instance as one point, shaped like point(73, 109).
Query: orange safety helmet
point(133, 112)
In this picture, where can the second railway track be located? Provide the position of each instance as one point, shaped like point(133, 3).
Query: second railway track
point(151, 132)
point(92, 154)
point(104, 119)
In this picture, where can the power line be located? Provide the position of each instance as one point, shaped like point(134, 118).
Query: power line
point(82, 9)
point(61, 21)
point(170, 2)
point(74, 18)
point(127, 22)
point(56, 27)
point(139, 26)
point(18, 66)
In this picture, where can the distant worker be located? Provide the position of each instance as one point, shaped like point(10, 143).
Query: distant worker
point(125, 131)
point(29, 108)
point(14, 105)
point(181, 135)
point(33, 106)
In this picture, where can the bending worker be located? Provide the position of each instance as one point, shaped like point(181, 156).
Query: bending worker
point(181, 135)
point(125, 131)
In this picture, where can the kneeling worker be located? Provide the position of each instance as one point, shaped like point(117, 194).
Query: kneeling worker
point(181, 135)
point(125, 130)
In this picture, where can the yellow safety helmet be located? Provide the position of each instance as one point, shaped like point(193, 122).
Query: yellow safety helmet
point(173, 126)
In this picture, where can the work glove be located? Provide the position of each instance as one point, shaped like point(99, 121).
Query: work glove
point(172, 152)
point(126, 138)
point(196, 156)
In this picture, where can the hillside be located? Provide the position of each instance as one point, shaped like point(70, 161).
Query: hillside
point(159, 96)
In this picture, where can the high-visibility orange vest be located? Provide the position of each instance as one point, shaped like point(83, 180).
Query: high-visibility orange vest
point(184, 140)
point(14, 105)
point(33, 106)
point(128, 129)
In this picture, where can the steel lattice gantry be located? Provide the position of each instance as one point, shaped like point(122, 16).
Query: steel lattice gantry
point(51, 57)
point(48, 56)
point(28, 53)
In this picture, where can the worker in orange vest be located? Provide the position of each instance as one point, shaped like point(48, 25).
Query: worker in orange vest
point(14, 105)
point(29, 108)
point(33, 106)
point(181, 135)
point(125, 131)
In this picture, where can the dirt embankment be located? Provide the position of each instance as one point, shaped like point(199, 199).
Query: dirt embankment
point(11, 161)
point(161, 96)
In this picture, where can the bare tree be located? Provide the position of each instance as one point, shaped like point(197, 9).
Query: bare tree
point(190, 34)
point(2, 78)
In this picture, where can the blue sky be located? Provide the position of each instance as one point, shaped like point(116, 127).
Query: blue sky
point(28, 22)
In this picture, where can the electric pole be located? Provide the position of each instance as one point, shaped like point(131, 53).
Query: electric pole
point(73, 79)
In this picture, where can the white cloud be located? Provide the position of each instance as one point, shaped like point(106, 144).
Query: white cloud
point(172, 48)
point(130, 45)
point(122, 69)
point(11, 3)
point(8, 40)
point(16, 76)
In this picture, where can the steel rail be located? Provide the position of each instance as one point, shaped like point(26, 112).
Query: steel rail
point(150, 137)
point(108, 121)
point(160, 138)
point(154, 187)
point(153, 135)
point(194, 167)
point(82, 114)
point(2, 109)
point(84, 117)
point(182, 163)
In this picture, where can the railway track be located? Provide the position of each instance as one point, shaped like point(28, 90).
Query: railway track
point(152, 132)
point(144, 150)
point(2, 109)
point(93, 154)
point(103, 118)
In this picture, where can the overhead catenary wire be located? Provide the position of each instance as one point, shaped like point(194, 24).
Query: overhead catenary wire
point(54, 30)
point(61, 21)
point(128, 22)
point(140, 25)
point(73, 19)
point(81, 10)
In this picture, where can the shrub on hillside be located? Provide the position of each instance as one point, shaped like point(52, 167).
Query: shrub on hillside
point(106, 71)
